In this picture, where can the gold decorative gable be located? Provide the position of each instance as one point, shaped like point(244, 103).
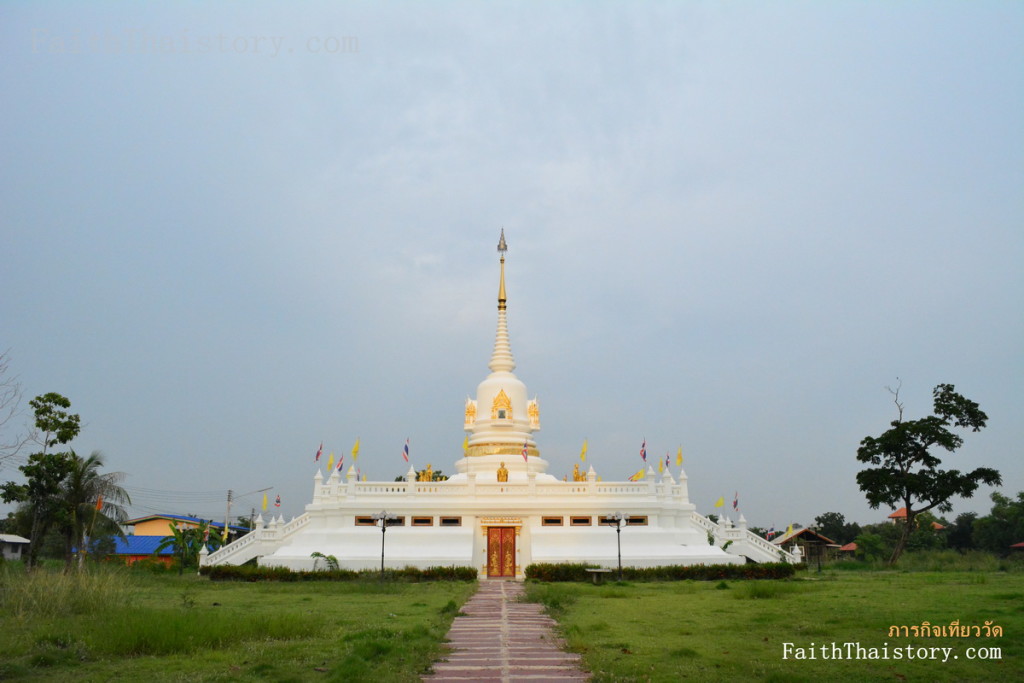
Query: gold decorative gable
point(501, 409)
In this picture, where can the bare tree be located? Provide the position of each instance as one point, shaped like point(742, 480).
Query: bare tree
point(12, 439)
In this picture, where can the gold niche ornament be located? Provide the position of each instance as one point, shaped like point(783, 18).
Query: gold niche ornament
point(470, 412)
point(501, 409)
point(502, 473)
point(533, 412)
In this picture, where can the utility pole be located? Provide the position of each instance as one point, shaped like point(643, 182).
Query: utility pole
point(227, 518)
point(227, 515)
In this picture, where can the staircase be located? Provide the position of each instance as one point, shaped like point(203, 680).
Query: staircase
point(262, 540)
point(738, 540)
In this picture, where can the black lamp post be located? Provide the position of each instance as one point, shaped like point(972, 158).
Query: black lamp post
point(618, 519)
point(382, 517)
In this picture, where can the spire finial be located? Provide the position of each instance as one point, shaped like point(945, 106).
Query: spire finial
point(502, 248)
point(501, 359)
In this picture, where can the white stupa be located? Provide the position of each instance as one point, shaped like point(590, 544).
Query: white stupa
point(501, 511)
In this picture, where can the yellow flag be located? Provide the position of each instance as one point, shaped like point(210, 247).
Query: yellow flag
point(330, 462)
point(661, 465)
point(465, 444)
point(720, 502)
point(364, 477)
point(789, 530)
point(583, 453)
point(264, 502)
point(679, 456)
point(355, 451)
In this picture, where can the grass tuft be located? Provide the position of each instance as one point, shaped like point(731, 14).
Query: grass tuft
point(764, 590)
point(52, 594)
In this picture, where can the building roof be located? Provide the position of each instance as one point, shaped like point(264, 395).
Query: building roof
point(902, 514)
point(12, 538)
point(806, 534)
point(1018, 545)
point(849, 548)
point(140, 545)
point(185, 518)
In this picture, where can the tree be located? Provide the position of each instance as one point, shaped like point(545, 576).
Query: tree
point(187, 541)
point(54, 424)
point(1003, 527)
point(10, 409)
point(960, 536)
point(928, 533)
point(45, 472)
point(870, 547)
point(435, 475)
point(905, 471)
point(833, 525)
point(91, 501)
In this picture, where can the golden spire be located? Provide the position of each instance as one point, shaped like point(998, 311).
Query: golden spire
point(502, 248)
point(501, 359)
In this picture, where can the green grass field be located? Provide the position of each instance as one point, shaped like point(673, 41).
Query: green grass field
point(121, 625)
point(737, 631)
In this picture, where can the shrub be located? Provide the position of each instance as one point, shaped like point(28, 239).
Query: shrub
point(408, 574)
point(697, 572)
point(558, 571)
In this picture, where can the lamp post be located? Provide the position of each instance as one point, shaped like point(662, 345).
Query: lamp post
point(618, 519)
point(382, 517)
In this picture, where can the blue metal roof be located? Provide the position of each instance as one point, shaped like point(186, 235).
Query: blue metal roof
point(140, 545)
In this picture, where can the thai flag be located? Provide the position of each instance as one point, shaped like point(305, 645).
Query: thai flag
point(277, 501)
point(667, 461)
point(341, 461)
point(405, 451)
point(643, 450)
point(736, 501)
point(319, 452)
point(525, 445)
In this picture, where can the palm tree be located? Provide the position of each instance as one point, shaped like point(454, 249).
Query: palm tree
point(187, 541)
point(91, 500)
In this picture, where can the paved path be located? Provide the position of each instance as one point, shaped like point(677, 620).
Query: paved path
point(496, 638)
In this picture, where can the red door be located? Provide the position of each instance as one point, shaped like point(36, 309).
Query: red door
point(501, 552)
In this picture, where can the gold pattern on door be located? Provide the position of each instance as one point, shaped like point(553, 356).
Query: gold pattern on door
point(501, 552)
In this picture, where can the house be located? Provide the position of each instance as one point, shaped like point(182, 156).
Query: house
point(815, 547)
point(901, 516)
point(163, 525)
point(148, 532)
point(12, 547)
point(132, 549)
point(847, 551)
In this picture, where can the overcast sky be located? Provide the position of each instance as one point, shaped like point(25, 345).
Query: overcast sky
point(231, 232)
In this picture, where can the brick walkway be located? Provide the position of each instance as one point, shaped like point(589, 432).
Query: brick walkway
point(498, 639)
